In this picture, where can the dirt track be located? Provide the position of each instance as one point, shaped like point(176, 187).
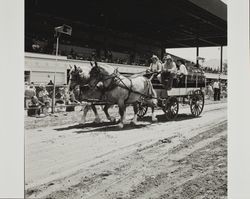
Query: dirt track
point(186, 158)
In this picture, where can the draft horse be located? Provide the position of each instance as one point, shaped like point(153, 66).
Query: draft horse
point(122, 90)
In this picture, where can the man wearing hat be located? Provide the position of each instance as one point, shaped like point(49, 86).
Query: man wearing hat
point(169, 71)
point(155, 66)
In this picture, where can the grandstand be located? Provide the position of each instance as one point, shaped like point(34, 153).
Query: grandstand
point(114, 32)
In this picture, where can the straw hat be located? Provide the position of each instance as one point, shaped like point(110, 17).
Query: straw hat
point(167, 57)
point(154, 57)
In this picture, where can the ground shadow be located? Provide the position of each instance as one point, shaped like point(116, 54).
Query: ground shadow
point(162, 118)
point(128, 126)
point(87, 125)
point(112, 126)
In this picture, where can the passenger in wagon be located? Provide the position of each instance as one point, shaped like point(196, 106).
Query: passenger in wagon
point(181, 72)
point(169, 71)
point(155, 67)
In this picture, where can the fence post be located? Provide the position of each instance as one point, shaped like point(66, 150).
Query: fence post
point(54, 86)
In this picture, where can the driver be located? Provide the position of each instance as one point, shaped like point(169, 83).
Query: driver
point(155, 67)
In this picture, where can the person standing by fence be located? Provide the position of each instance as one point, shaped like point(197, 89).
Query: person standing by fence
point(216, 87)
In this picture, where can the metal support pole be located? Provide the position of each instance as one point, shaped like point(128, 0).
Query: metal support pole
point(197, 55)
point(54, 86)
point(162, 52)
point(221, 59)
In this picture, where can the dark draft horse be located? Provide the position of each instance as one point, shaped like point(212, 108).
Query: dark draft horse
point(122, 90)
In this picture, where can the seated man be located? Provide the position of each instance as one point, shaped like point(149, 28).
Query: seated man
point(34, 107)
point(155, 67)
point(182, 73)
point(43, 96)
point(169, 71)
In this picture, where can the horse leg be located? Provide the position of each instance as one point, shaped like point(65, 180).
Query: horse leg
point(110, 118)
point(97, 118)
point(134, 120)
point(122, 112)
point(154, 119)
point(85, 111)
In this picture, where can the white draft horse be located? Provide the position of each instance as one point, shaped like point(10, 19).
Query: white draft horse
point(122, 90)
point(78, 77)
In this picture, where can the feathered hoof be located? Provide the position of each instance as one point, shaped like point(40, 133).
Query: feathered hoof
point(154, 119)
point(82, 122)
point(97, 120)
point(133, 123)
point(112, 119)
point(120, 126)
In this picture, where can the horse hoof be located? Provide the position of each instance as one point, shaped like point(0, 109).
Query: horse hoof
point(97, 120)
point(154, 119)
point(120, 126)
point(133, 123)
point(112, 119)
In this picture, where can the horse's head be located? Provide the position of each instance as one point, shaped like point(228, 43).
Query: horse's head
point(77, 77)
point(100, 73)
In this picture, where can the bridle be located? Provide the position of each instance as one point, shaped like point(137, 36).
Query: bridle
point(115, 82)
point(102, 78)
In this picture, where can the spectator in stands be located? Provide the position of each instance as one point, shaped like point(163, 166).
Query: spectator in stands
point(110, 56)
point(50, 82)
point(169, 71)
point(181, 72)
point(73, 53)
point(32, 86)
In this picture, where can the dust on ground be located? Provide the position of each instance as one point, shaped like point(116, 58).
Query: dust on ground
point(186, 158)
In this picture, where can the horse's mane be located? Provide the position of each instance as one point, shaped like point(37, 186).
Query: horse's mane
point(110, 69)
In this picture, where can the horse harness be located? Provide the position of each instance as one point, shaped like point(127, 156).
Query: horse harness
point(115, 80)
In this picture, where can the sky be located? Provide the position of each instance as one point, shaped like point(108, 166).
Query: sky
point(206, 52)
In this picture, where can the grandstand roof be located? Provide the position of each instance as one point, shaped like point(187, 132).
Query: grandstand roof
point(169, 23)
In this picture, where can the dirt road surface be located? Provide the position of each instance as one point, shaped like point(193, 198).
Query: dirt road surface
point(186, 158)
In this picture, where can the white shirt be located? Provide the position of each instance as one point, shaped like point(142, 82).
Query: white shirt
point(216, 85)
point(183, 70)
point(170, 67)
point(155, 67)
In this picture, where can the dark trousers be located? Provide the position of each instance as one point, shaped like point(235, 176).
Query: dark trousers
point(182, 81)
point(216, 94)
point(167, 79)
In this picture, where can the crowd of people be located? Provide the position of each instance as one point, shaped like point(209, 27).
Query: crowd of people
point(38, 99)
point(216, 89)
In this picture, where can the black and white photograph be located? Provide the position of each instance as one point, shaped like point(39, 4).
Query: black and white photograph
point(125, 99)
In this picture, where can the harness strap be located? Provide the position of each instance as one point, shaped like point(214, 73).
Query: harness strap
point(129, 91)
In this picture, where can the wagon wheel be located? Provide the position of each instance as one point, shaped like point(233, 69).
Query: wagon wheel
point(142, 110)
point(171, 108)
point(197, 103)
